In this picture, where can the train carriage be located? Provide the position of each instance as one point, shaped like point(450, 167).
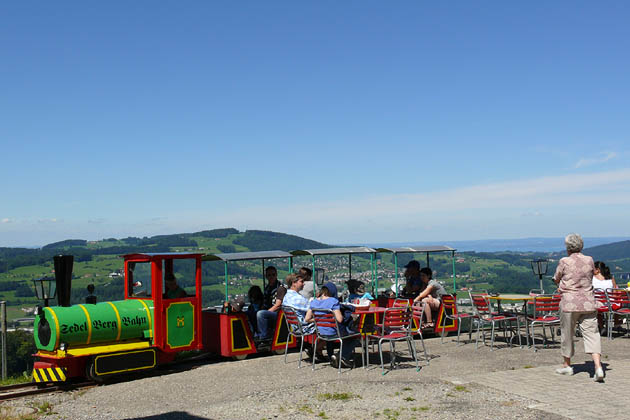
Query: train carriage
point(442, 322)
point(229, 333)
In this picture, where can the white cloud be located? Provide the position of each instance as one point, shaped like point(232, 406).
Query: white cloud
point(600, 158)
point(497, 204)
point(6, 220)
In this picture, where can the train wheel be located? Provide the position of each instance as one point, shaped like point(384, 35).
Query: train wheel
point(239, 357)
point(279, 351)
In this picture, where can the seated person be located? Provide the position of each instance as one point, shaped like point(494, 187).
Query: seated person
point(273, 295)
point(414, 282)
point(327, 299)
point(431, 295)
point(256, 298)
point(308, 289)
point(294, 299)
point(356, 290)
point(173, 291)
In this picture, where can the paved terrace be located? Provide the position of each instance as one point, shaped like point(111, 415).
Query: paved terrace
point(460, 383)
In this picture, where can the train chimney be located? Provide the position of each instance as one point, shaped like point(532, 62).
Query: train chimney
point(63, 277)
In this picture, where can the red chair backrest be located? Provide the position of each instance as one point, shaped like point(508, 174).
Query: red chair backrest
point(546, 304)
point(448, 302)
point(397, 318)
point(480, 303)
point(290, 316)
point(600, 295)
point(417, 312)
point(325, 318)
point(398, 303)
point(617, 297)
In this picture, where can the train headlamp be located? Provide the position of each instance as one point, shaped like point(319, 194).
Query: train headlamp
point(63, 347)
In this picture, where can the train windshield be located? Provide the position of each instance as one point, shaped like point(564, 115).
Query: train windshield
point(139, 277)
point(179, 278)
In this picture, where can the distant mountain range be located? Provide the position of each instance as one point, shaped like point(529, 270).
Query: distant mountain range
point(506, 245)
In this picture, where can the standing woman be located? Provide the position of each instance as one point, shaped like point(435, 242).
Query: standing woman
point(574, 277)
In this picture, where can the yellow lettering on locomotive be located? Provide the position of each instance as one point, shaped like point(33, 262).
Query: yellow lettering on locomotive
point(180, 321)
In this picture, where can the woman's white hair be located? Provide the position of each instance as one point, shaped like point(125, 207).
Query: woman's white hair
point(574, 243)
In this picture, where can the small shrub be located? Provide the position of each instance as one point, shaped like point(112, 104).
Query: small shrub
point(337, 396)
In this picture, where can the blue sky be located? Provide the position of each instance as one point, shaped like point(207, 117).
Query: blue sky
point(344, 122)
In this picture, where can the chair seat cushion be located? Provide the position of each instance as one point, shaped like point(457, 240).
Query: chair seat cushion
point(544, 319)
point(499, 318)
point(390, 336)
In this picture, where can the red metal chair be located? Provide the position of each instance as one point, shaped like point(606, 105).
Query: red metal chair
point(297, 329)
point(417, 312)
point(326, 318)
point(397, 326)
point(618, 305)
point(400, 302)
point(483, 315)
point(546, 314)
point(451, 311)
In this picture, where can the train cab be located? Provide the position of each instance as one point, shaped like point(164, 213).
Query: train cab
point(147, 328)
point(171, 282)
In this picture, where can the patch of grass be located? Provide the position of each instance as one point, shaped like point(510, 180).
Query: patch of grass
point(305, 408)
point(409, 399)
point(406, 388)
point(322, 415)
point(44, 407)
point(391, 414)
point(448, 394)
point(337, 396)
point(396, 393)
point(19, 379)
point(528, 367)
point(421, 408)
point(461, 388)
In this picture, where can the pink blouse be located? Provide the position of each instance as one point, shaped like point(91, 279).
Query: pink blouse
point(574, 276)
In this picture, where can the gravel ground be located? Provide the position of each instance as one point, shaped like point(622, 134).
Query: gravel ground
point(266, 388)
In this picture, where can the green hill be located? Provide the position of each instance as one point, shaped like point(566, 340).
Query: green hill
point(99, 262)
point(610, 252)
point(96, 260)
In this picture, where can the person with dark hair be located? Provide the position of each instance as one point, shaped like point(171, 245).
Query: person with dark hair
point(327, 299)
point(356, 290)
point(90, 298)
point(273, 295)
point(414, 282)
point(574, 277)
point(431, 295)
point(256, 299)
point(173, 291)
point(295, 300)
point(602, 279)
point(308, 291)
